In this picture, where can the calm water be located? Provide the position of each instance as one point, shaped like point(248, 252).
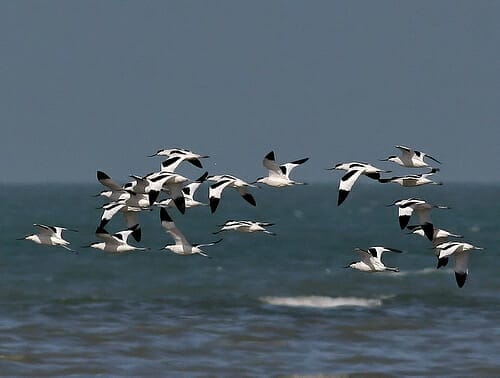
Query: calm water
point(263, 305)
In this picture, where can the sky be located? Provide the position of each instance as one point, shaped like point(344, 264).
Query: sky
point(99, 85)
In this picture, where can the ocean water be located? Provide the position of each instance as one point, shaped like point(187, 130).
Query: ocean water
point(263, 305)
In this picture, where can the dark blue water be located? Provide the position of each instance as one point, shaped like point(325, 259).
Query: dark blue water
point(263, 305)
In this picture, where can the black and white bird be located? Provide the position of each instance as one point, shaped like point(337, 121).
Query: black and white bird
point(129, 214)
point(245, 226)
point(176, 156)
point(410, 158)
point(115, 191)
point(371, 260)
point(116, 243)
point(460, 251)
point(279, 175)
point(406, 207)
point(49, 235)
point(413, 180)
point(181, 246)
point(227, 181)
point(354, 171)
point(439, 236)
point(188, 192)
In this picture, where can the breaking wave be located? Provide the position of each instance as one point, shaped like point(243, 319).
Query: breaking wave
point(321, 301)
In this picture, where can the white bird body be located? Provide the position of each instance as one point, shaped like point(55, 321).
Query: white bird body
point(245, 226)
point(413, 180)
point(354, 171)
point(182, 246)
point(49, 235)
point(228, 181)
point(371, 260)
point(460, 251)
point(410, 158)
point(279, 175)
point(116, 243)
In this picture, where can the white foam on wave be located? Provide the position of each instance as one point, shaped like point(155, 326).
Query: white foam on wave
point(321, 301)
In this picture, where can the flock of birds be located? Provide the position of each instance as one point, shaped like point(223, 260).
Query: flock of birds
point(143, 193)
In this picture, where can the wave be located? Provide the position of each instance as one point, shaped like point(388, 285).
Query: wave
point(321, 301)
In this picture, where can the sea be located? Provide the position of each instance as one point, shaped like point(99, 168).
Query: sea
point(262, 305)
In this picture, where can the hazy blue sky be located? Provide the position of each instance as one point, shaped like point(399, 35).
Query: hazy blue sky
point(87, 85)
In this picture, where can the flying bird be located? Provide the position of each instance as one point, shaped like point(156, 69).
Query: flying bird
point(461, 252)
point(371, 260)
point(245, 226)
point(182, 246)
point(279, 175)
point(354, 171)
point(49, 235)
point(116, 243)
point(413, 180)
point(228, 181)
point(410, 158)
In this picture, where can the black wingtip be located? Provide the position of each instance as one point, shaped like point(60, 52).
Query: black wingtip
point(196, 162)
point(249, 198)
point(300, 161)
point(443, 261)
point(180, 202)
point(153, 196)
point(403, 221)
point(164, 216)
point(342, 196)
point(136, 232)
point(214, 202)
point(102, 176)
point(270, 156)
point(428, 230)
point(460, 277)
point(203, 177)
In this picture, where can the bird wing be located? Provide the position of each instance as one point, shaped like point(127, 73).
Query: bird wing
point(448, 249)
point(110, 210)
point(406, 151)
point(287, 168)
point(270, 164)
point(348, 180)
point(171, 164)
point(365, 256)
point(45, 230)
point(105, 180)
point(461, 262)
point(215, 190)
point(168, 224)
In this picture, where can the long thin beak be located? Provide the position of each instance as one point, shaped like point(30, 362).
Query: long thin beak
point(21, 238)
point(152, 155)
point(386, 159)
